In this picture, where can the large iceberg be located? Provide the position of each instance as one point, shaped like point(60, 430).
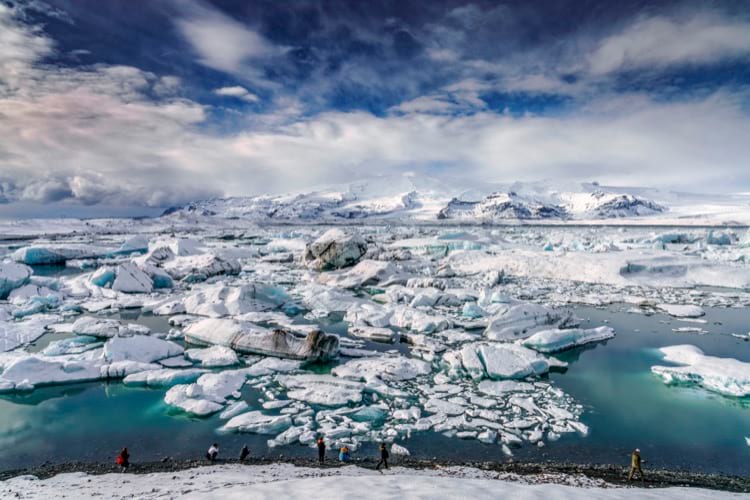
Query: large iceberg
point(12, 275)
point(556, 340)
point(727, 376)
point(249, 338)
point(335, 249)
point(497, 361)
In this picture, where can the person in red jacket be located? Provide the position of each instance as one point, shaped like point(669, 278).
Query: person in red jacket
point(123, 460)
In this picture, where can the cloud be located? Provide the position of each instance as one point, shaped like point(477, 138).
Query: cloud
point(223, 43)
point(662, 41)
point(239, 92)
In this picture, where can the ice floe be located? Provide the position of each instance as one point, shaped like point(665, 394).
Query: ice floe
point(726, 376)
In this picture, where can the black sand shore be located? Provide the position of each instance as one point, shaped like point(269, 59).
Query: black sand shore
point(613, 474)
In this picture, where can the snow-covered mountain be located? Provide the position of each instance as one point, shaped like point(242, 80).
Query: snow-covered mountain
point(424, 200)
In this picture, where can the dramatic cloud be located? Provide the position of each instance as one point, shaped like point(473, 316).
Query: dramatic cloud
point(658, 41)
point(416, 95)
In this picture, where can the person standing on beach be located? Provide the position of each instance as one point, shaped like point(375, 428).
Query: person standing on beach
point(244, 452)
point(383, 457)
point(321, 450)
point(123, 460)
point(212, 452)
point(635, 464)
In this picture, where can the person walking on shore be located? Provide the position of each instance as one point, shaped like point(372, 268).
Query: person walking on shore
point(244, 452)
point(123, 460)
point(212, 452)
point(321, 450)
point(383, 457)
point(635, 464)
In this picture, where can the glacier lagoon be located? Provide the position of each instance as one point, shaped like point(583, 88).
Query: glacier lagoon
point(443, 290)
point(625, 406)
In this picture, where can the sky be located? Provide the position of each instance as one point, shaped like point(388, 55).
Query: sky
point(120, 107)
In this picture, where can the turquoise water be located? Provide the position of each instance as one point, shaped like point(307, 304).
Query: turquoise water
point(625, 407)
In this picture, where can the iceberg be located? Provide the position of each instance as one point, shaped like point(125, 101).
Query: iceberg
point(140, 348)
point(726, 376)
point(56, 254)
point(248, 338)
point(549, 341)
point(213, 357)
point(131, 279)
point(335, 249)
point(208, 394)
point(17, 333)
point(386, 368)
point(106, 328)
point(365, 273)
point(12, 275)
point(257, 422)
point(682, 311)
point(28, 372)
point(218, 300)
point(323, 390)
point(166, 377)
point(518, 321)
point(501, 361)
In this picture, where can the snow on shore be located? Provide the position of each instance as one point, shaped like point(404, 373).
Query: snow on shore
point(287, 481)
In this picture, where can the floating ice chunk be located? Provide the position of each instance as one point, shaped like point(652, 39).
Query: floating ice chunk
point(323, 390)
point(177, 246)
point(397, 449)
point(71, 345)
point(419, 321)
point(251, 339)
point(12, 275)
point(373, 333)
point(208, 394)
point(440, 406)
point(131, 279)
point(267, 366)
point(30, 371)
point(519, 321)
point(140, 348)
point(257, 422)
point(137, 243)
point(214, 356)
point(56, 254)
point(494, 360)
point(219, 300)
point(196, 268)
point(335, 249)
point(233, 409)
point(387, 368)
point(472, 310)
point(16, 333)
point(106, 328)
point(165, 377)
point(365, 273)
point(555, 340)
point(682, 311)
point(104, 276)
point(720, 238)
point(727, 376)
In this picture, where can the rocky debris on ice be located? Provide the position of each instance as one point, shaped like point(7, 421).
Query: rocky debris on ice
point(322, 390)
point(556, 340)
point(496, 361)
point(249, 338)
point(726, 376)
point(335, 249)
point(106, 327)
point(213, 357)
point(14, 334)
point(12, 275)
point(208, 394)
point(682, 311)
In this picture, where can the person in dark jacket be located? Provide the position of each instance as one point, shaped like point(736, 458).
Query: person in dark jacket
point(212, 452)
point(244, 452)
point(123, 460)
point(321, 450)
point(635, 464)
point(383, 457)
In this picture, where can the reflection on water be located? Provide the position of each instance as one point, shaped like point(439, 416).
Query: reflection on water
point(625, 406)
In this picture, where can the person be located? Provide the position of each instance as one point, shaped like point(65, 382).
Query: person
point(635, 464)
point(244, 452)
point(383, 457)
point(123, 460)
point(344, 454)
point(321, 450)
point(212, 452)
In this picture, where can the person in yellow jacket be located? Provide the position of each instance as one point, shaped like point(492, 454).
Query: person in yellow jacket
point(635, 464)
